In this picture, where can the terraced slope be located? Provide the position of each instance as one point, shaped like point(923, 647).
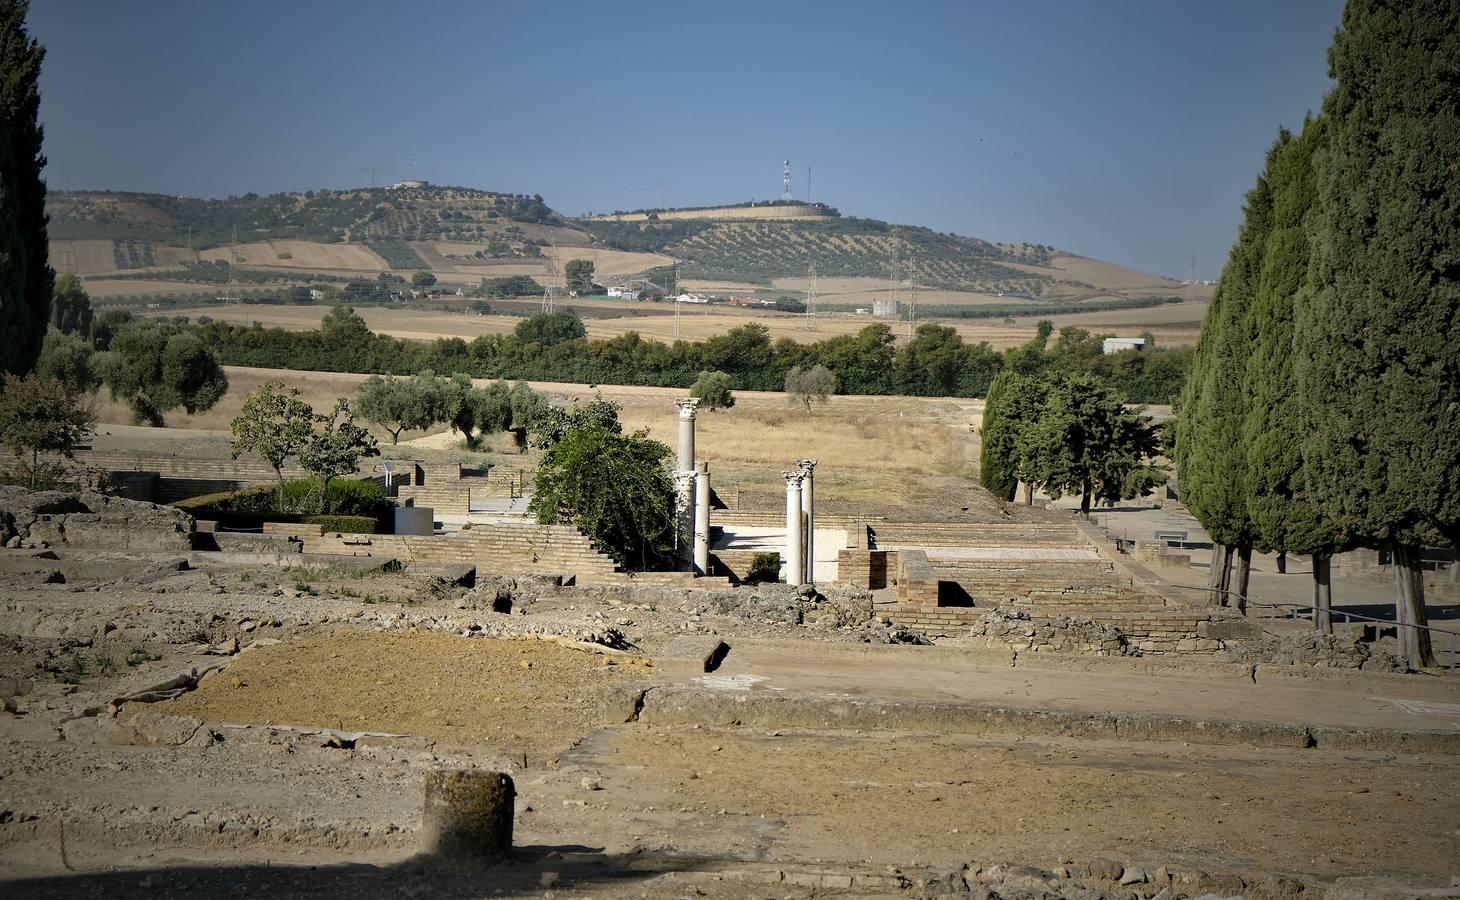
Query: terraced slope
point(758, 251)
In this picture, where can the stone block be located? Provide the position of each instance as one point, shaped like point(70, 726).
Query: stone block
point(1230, 630)
point(691, 654)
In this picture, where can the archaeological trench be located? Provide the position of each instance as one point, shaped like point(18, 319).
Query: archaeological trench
point(1003, 705)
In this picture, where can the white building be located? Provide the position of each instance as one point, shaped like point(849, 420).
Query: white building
point(692, 298)
point(1117, 344)
point(625, 293)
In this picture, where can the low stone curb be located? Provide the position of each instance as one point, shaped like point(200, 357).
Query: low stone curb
point(682, 705)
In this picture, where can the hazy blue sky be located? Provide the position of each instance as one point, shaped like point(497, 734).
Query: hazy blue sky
point(1118, 129)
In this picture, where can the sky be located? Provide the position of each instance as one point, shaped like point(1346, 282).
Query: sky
point(1126, 130)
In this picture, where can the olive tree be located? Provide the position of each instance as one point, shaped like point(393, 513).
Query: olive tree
point(805, 385)
point(274, 425)
point(41, 416)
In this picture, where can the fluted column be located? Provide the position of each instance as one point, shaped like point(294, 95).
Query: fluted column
point(684, 482)
point(795, 565)
point(807, 467)
point(684, 517)
point(702, 519)
point(688, 406)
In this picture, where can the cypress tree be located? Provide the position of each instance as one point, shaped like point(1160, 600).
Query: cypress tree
point(25, 276)
point(1211, 452)
point(1378, 336)
point(1284, 518)
point(996, 456)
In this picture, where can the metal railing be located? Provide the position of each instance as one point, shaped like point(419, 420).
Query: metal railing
point(1348, 618)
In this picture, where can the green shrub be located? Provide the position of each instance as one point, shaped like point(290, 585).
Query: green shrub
point(345, 524)
point(764, 568)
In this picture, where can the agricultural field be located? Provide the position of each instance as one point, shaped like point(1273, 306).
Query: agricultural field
point(303, 255)
point(83, 257)
point(883, 452)
point(1172, 325)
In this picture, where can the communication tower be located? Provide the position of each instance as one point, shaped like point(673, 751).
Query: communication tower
point(912, 302)
point(549, 275)
point(811, 300)
point(786, 180)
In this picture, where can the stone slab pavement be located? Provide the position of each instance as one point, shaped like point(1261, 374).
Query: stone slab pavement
point(1103, 685)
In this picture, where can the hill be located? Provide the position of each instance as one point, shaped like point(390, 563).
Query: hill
point(122, 241)
point(363, 216)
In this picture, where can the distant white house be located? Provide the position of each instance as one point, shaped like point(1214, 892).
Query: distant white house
point(625, 293)
point(691, 298)
point(410, 183)
point(1117, 344)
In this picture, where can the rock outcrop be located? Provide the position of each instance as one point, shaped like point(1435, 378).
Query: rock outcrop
point(90, 520)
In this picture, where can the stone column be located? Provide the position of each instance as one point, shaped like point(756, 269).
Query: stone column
point(795, 567)
point(807, 468)
point(687, 409)
point(702, 519)
point(467, 813)
point(684, 482)
point(684, 515)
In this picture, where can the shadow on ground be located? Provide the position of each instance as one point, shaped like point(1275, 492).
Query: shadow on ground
point(528, 872)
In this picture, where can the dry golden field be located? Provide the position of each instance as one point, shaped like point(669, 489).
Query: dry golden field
point(100, 288)
point(303, 255)
point(87, 257)
point(1172, 325)
point(874, 452)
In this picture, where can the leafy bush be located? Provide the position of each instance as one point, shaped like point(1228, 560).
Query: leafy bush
point(346, 524)
point(712, 389)
point(764, 568)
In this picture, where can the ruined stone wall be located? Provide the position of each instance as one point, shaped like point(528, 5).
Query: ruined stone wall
point(90, 520)
point(527, 548)
point(993, 535)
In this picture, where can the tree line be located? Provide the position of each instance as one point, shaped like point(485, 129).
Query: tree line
point(1320, 412)
point(554, 347)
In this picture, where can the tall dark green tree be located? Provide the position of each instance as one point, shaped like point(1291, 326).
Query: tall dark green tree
point(25, 275)
point(996, 453)
point(1284, 518)
point(578, 274)
point(1211, 454)
point(1006, 422)
point(1086, 442)
point(71, 311)
point(1378, 336)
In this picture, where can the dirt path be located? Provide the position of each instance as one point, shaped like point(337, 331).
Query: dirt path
point(919, 798)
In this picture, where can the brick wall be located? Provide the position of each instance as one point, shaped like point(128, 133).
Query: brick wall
point(509, 549)
point(917, 583)
point(862, 568)
point(937, 534)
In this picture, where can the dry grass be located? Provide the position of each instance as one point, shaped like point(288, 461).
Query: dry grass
point(876, 454)
point(1172, 325)
point(105, 287)
point(88, 257)
point(302, 255)
point(609, 263)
